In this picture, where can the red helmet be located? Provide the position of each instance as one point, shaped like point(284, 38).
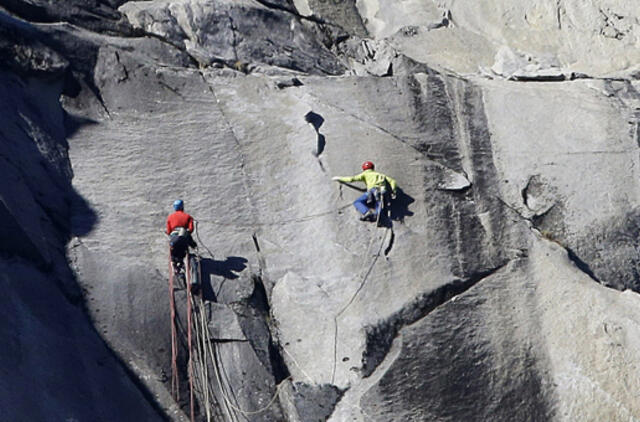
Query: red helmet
point(367, 165)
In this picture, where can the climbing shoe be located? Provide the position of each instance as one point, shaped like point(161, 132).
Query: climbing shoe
point(368, 216)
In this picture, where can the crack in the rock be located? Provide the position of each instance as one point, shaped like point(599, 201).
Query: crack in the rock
point(573, 256)
point(524, 192)
point(559, 13)
point(430, 157)
point(380, 337)
point(234, 41)
point(261, 259)
point(390, 245)
point(243, 170)
point(144, 33)
point(581, 265)
point(170, 88)
point(124, 68)
point(294, 12)
point(365, 276)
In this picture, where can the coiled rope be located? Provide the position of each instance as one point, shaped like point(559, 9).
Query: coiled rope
point(225, 389)
point(206, 352)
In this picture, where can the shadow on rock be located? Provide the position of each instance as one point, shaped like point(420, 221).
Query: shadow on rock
point(83, 217)
point(400, 206)
point(227, 269)
point(316, 121)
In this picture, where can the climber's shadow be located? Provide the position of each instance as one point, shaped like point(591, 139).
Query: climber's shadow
point(397, 209)
point(227, 269)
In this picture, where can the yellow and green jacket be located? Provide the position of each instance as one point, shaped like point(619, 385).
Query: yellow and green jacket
point(372, 179)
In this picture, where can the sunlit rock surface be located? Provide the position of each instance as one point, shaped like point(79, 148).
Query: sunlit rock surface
point(500, 287)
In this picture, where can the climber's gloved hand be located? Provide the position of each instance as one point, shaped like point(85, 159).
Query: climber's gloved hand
point(335, 178)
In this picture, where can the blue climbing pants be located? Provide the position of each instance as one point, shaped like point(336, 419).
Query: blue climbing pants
point(369, 200)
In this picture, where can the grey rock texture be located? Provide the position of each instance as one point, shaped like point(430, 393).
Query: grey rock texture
point(485, 294)
point(594, 37)
point(238, 33)
point(54, 364)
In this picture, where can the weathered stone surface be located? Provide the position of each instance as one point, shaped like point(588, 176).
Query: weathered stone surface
point(54, 364)
point(384, 18)
point(21, 51)
point(521, 321)
point(579, 141)
point(306, 402)
point(520, 67)
point(594, 38)
point(236, 33)
point(227, 286)
point(453, 309)
point(95, 15)
point(343, 13)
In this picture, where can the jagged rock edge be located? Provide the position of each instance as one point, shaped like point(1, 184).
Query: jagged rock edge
point(380, 337)
point(582, 265)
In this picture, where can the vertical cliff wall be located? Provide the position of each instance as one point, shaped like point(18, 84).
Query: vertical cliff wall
point(54, 364)
point(502, 285)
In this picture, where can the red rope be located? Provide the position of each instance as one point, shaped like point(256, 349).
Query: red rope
point(174, 337)
point(189, 324)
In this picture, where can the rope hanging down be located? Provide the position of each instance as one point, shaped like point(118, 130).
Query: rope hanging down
point(206, 352)
point(175, 381)
point(175, 390)
point(189, 342)
point(365, 276)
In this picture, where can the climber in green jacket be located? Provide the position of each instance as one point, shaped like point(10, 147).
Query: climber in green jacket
point(376, 190)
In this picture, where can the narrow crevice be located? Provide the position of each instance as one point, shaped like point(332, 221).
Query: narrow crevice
point(537, 219)
point(582, 266)
point(234, 41)
point(390, 245)
point(226, 341)
point(380, 337)
point(260, 302)
point(535, 222)
point(559, 13)
point(278, 366)
point(124, 68)
point(141, 33)
point(258, 299)
point(295, 13)
point(524, 192)
point(170, 88)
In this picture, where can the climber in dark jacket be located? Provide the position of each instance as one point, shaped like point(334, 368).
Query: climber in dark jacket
point(179, 229)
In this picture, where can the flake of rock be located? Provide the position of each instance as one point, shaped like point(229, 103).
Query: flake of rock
point(308, 402)
point(519, 66)
point(563, 340)
point(235, 33)
point(223, 323)
point(454, 181)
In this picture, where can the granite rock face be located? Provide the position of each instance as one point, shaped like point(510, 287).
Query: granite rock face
point(54, 364)
point(500, 286)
